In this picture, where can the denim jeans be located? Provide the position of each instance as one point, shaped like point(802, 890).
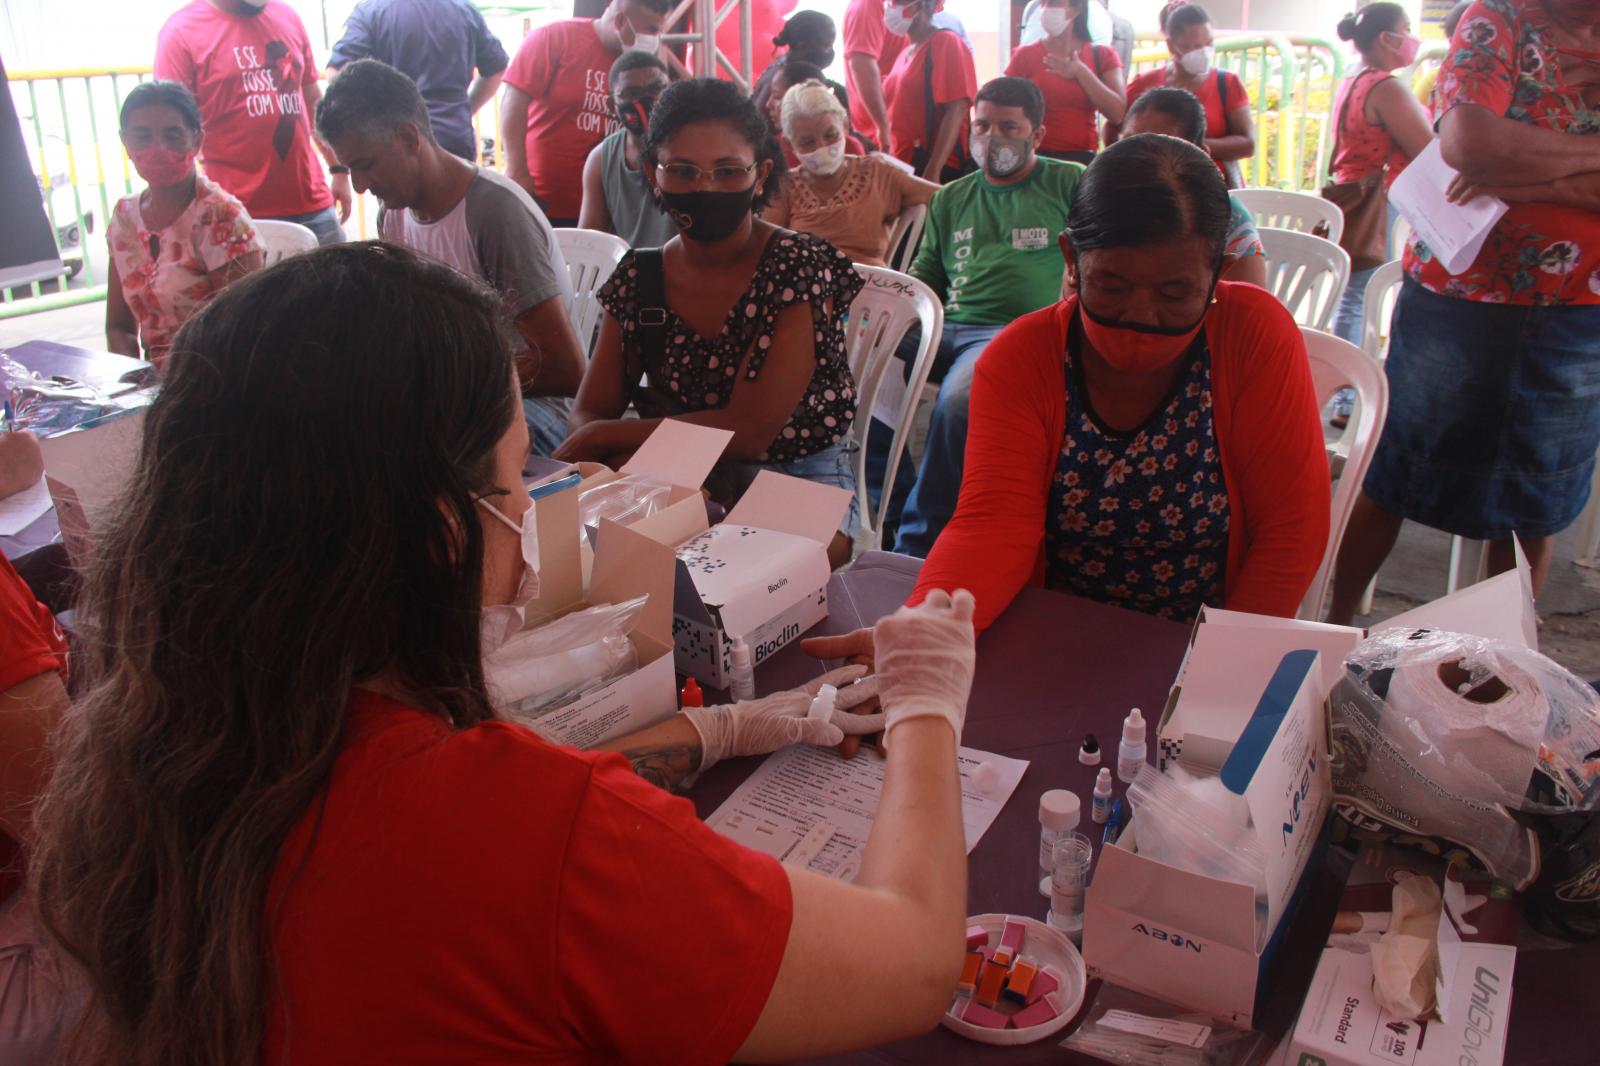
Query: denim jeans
point(938, 484)
point(1351, 314)
point(324, 223)
point(547, 421)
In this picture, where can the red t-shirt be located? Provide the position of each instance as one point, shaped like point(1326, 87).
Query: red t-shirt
point(865, 34)
point(1069, 116)
point(954, 78)
point(1217, 105)
point(480, 896)
point(249, 73)
point(566, 72)
point(30, 644)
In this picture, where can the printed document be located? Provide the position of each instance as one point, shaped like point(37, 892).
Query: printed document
point(1454, 233)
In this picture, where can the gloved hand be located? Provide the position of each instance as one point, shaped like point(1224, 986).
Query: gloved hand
point(925, 660)
point(756, 727)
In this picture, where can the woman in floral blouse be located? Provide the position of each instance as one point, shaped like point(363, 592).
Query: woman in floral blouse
point(1494, 373)
point(180, 241)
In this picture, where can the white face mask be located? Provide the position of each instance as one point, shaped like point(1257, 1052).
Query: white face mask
point(648, 43)
point(500, 621)
point(1054, 21)
point(825, 160)
point(896, 21)
point(1198, 61)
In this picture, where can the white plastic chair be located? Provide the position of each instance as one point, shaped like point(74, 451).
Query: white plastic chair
point(591, 257)
point(904, 237)
point(1299, 211)
point(1335, 364)
point(1308, 274)
point(281, 239)
point(880, 316)
point(1399, 236)
point(1383, 289)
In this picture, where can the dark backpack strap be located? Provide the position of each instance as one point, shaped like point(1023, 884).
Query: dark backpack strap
point(650, 318)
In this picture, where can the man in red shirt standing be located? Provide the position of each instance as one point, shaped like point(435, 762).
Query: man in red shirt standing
point(249, 64)
point(555, 106)
point(869, 54)
point(35, 1003)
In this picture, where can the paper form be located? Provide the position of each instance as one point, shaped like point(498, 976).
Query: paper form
point(799, 787)
point(1454, 233)
point(21, 509)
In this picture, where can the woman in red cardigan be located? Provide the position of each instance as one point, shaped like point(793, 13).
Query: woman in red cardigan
point(1151, 441)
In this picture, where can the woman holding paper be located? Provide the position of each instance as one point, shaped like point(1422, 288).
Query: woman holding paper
point(1379, 128)
point(1494, 371)
point(286, 824)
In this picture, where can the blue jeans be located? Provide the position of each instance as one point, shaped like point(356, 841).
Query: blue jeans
point(547, 421)
point(324, 223)
point(933, 498)
point(1351, 315)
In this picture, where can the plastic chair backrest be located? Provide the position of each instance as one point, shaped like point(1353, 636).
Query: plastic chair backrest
point(591, 257)
point(1399, 236)
point(1335, 364)
point(881, 315)
point(1383, 288)
point(282, 239)
point(904, 237)
point(1299, 211)
point(1308, 274)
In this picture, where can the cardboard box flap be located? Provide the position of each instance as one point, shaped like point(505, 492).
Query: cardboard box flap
point(627, 563)
point(560, 557)
point(806, 509)
point(95, 461)
point(1499, 608)
point(1201, 907)
point(679, 453)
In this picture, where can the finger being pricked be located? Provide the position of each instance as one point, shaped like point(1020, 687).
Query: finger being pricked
point(858, 700)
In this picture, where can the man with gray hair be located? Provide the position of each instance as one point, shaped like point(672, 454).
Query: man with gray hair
point(473, 219)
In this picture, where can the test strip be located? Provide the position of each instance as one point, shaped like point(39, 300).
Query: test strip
point(809, 846)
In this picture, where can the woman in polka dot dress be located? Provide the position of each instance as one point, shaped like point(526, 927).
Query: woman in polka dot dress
point(749, 332)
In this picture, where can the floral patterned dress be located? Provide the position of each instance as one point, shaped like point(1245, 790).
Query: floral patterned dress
point(1140, 519)
point(163, 272)
point(1503, 59)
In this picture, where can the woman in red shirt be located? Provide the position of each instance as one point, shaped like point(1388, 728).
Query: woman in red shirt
point(1151, 441)
point(1077, 77)
point(1230, 131)
point(929, 91)
point(286, 824)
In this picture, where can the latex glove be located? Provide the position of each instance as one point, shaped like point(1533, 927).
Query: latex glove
point(925, 659)
point(756, 727)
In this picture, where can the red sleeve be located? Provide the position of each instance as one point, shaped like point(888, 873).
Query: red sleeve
point(991, 546)
point(1106, 58)
point(30, 641)
point(863, 29)
point(689, 926)
point(1482, 66)
point(535, 63)
point(954, 77)
point(1143, 84)
point(311, 73)
point(1234, 96)
point(1273, 453)
point(1020, 65)
point(173, 61)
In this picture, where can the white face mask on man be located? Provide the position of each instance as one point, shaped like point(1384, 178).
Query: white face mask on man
point(896, 20)
point(501, 621)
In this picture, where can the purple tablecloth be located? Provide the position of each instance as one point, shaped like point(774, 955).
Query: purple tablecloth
point(1050, 669)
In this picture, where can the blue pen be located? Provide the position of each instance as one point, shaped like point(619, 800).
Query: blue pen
point(1113, 825)
point(541, 491)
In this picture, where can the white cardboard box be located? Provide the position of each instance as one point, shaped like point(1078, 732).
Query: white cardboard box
point(86, 470)
point(627, 564)
point(1342, 1024)
point(1195, 940)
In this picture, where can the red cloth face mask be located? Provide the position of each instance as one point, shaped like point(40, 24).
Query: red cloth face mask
point(1138, 349)
point(162, 166)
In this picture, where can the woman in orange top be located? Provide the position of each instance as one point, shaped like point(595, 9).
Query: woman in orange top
point(1079, 79)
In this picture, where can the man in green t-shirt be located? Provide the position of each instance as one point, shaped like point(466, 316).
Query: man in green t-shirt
point(989, 251)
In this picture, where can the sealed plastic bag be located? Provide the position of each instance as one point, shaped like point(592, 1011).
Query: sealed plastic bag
point(1131, 1029)
point(624, 500)
point(541, 670)
point(48, 406)
point(1489, 747)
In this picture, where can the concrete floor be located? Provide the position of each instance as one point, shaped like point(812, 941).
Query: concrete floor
point(1569, 609)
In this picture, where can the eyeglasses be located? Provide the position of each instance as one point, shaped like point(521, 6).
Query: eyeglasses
point(684, 175)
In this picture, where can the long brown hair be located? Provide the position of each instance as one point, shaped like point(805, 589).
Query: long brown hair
point(301, 520)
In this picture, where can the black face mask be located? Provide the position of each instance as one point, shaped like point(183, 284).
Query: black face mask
point(708, 217)
point(634, 113)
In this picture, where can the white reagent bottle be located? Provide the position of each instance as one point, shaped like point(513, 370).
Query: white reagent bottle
point(1059, 813)
point(1131, 752)
point(741, 672)
point(1101, 801)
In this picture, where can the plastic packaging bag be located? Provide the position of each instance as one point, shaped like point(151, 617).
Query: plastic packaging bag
point(541, 670)
point(1193, 823)
point(624, 500)
point(46, 405)
point(1135, 1030)
point(1486, 745)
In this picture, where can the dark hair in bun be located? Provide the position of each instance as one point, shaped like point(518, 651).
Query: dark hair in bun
point(1365, 26)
